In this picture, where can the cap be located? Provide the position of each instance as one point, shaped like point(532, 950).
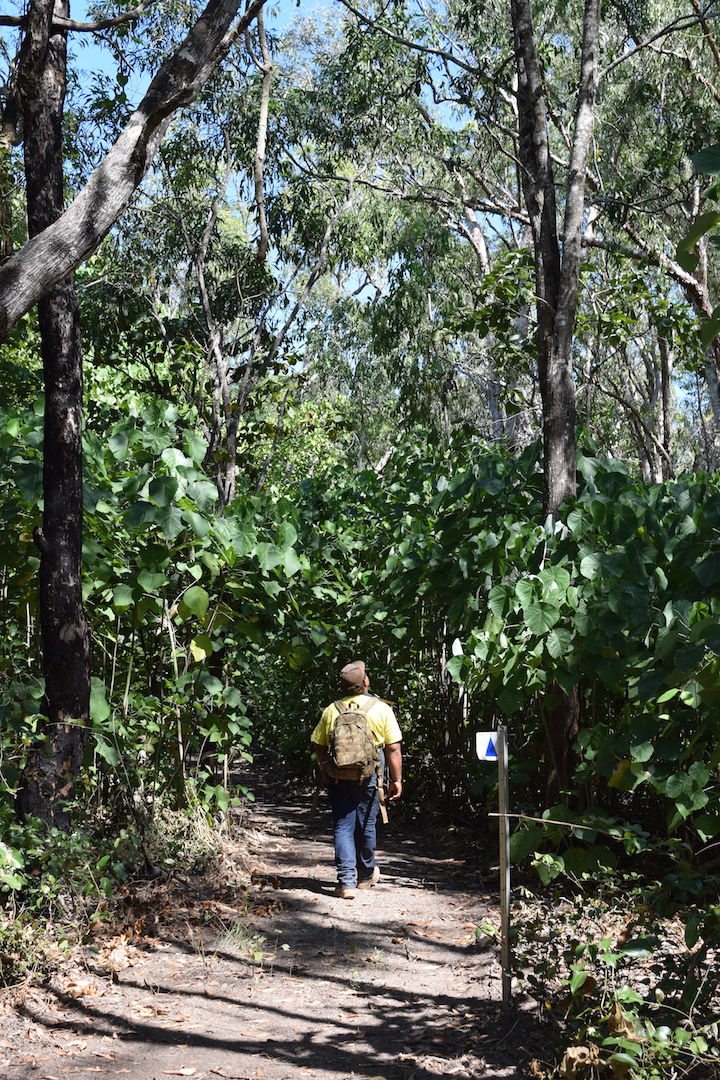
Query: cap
point(352, 676)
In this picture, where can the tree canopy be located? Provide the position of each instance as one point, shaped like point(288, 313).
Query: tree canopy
point(381, 331)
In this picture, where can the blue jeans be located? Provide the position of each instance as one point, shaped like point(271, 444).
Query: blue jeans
point(354, 811)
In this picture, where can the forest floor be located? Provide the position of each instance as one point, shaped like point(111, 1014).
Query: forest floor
point(265, 975)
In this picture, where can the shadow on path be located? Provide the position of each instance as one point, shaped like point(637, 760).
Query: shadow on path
point(298, 983)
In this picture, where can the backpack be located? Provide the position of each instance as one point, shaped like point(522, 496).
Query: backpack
point(352, 754)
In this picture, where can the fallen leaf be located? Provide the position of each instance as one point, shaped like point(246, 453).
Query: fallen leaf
point(578, 1062)
point(620, 1024)
point(187, 1071)
point(77, 990)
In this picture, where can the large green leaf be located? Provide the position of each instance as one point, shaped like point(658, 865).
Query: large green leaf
point(99, 708)
point(210, 683)
point(526, 590)
point(268, 556)
point(119, 444)
point(524, 841)
point(162, 490)
point(123, 597)
point(195, 445)
point(203, 493)
point(541, 617)
point(28, 480)
point(291, 562)
point(707, 160)
point(287, 534)
point(150, 581)
point(107, 750)
point(170, 520)
point(555, 580)
point(702, 225)
point(455, 667)
point(589, 566)
point(143, 513)
point(498, 599)
point(559, 642)
point(199, 524)
point(243, 540)
point(196, 600)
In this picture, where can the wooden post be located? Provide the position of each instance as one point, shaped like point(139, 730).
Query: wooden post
point(504, 838)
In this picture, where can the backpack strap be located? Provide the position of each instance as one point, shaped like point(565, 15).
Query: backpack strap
point(364, 708)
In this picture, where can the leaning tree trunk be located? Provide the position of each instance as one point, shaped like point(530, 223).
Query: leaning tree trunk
point(52, 254)
point(557, 276)
point(52, 768)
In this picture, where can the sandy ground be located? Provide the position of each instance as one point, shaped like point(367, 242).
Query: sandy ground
point(281, 980)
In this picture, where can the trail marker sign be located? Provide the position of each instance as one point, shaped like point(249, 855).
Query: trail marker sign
point(493, 746)
point(486, 745)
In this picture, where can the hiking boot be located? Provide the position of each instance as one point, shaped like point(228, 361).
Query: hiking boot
point(372, 880)
point(345, 892)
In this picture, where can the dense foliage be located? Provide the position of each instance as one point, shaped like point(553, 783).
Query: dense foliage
point(314, 416)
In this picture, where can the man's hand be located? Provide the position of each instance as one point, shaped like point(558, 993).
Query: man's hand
point(393, 756)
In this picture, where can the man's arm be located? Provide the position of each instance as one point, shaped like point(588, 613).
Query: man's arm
point(393, 756)
point(321, 753)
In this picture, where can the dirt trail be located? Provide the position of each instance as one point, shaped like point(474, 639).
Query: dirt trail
point(387, 985)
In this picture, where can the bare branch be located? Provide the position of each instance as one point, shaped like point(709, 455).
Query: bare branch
point(709, 36)
point(427, 49)
point(444, 200)
point(683, 22)
point(633, 410)
point(317, 270)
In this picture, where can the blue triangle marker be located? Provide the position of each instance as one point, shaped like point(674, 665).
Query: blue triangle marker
point(491, 751)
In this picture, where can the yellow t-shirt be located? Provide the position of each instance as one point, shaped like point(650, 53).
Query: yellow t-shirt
point(381, 720)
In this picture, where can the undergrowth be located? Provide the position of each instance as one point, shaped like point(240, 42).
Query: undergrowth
point(634, 994)
point(62, 885)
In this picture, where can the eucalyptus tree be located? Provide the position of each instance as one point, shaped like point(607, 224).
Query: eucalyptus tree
point(532, 152)
point(219, 257)
point(40, 272)
point(423, 300)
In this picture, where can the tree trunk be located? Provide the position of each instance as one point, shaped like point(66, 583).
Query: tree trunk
point(52, 768)
point(713, 391)
point(557, 276)
point(666, 367)
point(6, 193)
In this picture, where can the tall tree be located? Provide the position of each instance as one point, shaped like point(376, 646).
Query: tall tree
point(557, 270)
point(42, 79)
point(41, 272)
point(557, 278)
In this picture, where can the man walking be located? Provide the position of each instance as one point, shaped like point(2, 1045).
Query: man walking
point(355, 803)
